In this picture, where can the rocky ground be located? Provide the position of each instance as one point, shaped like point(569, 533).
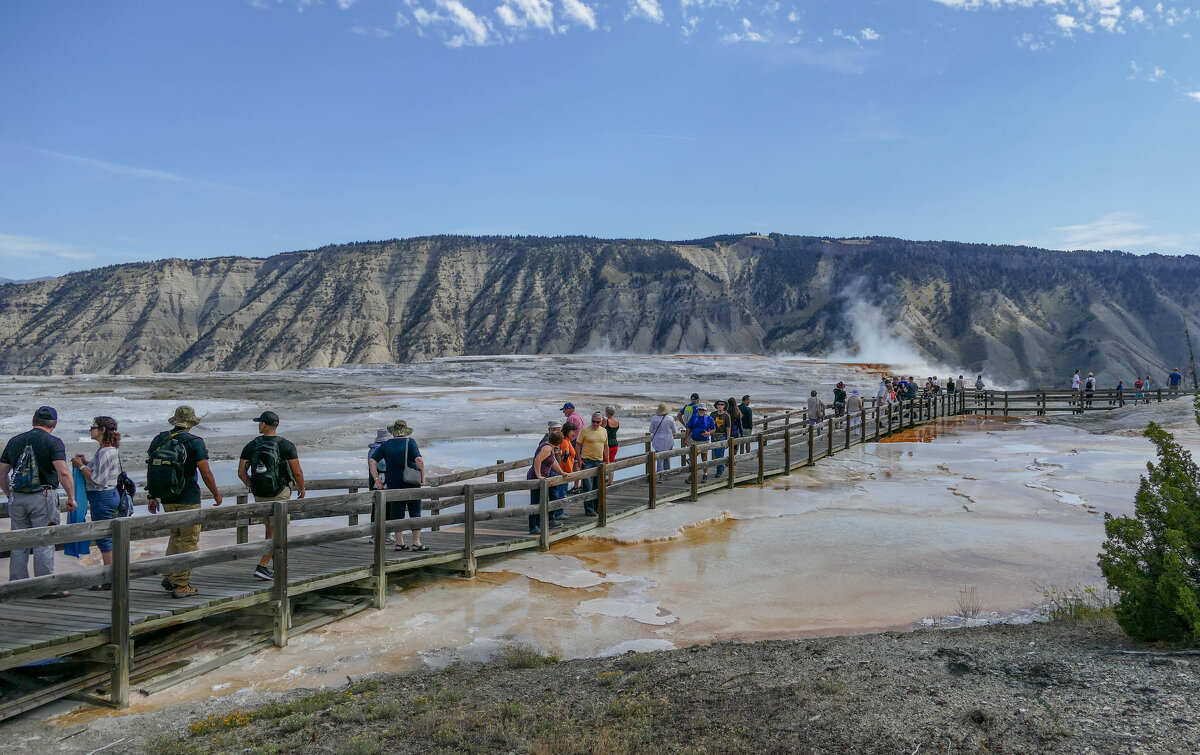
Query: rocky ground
point(1072, 687)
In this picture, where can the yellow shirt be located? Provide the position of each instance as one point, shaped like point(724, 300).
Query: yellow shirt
point(594, 441)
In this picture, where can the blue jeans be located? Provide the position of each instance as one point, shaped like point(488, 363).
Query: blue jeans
point(557, 493)
point(535, 499)
point(719, 453)
point(103, 505)
point(590, 484)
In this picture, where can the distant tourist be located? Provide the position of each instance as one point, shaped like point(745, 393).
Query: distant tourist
point(684, 418)
point(405, 470)
point(100, 482)
point(884, 395)
point(700, 429)
point(1174, 381)
point(1089, 390)
point(1076, 385)
point(593, 444)
point(565, 456)
point(854, 406)
point(839, 399)
point(1139, 391)
point(611, 424)
point(951, 385)
point(572, 417)
point(747, 418)
point(1147, 386)
point(173, 461)
point(381, 437)
point(735, 419)
point(544, 466)
point(268, 466)
point(816, 409)
point(37, 462)
point(1119, 400)
point(662, 435)
point(979, 397)
point(722, 422)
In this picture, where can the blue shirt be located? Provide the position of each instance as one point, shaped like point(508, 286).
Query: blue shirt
point(1174, 379)
point(699, 425)
point(393, 453)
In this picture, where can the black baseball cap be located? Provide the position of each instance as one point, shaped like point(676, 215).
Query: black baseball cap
point(695, 397)
point(47, 413)
point(268, 418)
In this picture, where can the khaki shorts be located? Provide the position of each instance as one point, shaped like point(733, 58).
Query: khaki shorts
point(283, 495)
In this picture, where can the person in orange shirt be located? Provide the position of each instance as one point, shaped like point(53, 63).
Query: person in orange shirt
point(565, 453)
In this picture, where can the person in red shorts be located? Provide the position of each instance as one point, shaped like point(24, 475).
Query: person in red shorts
point(611, 423)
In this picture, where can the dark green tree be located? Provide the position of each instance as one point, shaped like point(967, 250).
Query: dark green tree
point(1151, 558)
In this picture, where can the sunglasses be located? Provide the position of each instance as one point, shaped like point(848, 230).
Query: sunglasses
point(94, 427)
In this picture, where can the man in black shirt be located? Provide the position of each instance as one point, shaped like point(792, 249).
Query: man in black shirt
point(184, 539)
point(747, 417)
point(288, 471)
point(35, 507)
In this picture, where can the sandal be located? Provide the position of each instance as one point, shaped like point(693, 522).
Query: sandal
point(421, 547)
point(402, 547)
point(54, 595)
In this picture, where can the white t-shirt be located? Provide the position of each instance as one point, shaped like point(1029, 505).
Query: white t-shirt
point(1075, 381)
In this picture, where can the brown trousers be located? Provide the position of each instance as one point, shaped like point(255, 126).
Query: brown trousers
point(183, 540)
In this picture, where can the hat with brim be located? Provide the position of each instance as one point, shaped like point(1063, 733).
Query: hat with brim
point(184, 416)
point(663, 409)
point(701, 407)
point(381, 436)
point(399, 429)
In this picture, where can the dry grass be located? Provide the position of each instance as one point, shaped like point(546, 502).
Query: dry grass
point(969, 603)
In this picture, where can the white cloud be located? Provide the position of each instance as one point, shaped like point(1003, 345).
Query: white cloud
point(1065, 23)
point(1158, 74)
point(648, 9)
point(748, 34)
point(1116, 230)
point(373, 31)
point(27, 247)
point(520, 14)
point(345, 4)
point(473, 31)
point(869, 34)
point(118, 169)
point(1194, 95)
point(580, 13)
point(1137, 15)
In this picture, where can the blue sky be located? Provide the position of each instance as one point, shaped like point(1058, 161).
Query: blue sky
point(142, 130)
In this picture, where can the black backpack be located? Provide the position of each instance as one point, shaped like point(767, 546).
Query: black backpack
point(25, 475)
point(164, 468)
point(265, 464)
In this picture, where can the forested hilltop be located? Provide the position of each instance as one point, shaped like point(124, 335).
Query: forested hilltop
point(1011, 312)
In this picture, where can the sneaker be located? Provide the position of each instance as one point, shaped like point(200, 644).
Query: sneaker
point(590, 513)
point(556, 525)
point(535, 530)
point(390, 539)
point(704, 477)
point(184, 591)
point(264, 573)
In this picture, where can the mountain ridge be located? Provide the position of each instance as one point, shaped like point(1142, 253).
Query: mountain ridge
point(1015, 313)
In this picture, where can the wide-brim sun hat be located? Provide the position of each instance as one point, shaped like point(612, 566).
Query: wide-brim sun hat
point(184, 416)
point(399, 429)
point(663, 410)
point(381, 436)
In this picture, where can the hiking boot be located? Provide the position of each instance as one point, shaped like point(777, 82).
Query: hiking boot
point(264, 573)
point(184, 591)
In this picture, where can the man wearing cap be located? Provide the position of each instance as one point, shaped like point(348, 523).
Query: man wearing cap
point(288, 472)
point(399, 453)
point(28, 509)
point(593, 445)
point(700, 429)
point(684, 418)
point(184, 539)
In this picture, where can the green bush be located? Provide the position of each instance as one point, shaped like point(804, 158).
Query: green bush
point(1151, 558)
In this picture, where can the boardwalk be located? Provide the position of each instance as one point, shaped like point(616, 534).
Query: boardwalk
point(104, 644)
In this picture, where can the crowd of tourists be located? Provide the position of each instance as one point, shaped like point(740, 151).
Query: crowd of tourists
point(33, 464)
point(1084, 389)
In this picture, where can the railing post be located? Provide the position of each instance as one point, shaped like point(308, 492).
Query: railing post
point(846, 418)
point(544, 514)
point(732, 452)
point(876, 433)
point(379, 509)
point(1006, 403)
point(695, 472)
point(1160, 395)
point(243, 529)
point(862, 421)
point(500, 478)
point(120, 646)
point(810, 444)
point(469, 531)
point(829, 432)
point(652, 478)
point(353, 518)
point(889, 425)
point(762, 458)
point(787, 450)
point(649, 460)
point(281, 603)
point(602, 495)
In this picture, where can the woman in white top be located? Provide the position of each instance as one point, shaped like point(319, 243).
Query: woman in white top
point(100, 475)
point(662, 434)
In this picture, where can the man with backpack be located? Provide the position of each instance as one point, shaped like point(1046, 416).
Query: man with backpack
point(38, 463)
point(174, 458)
point(268, 465)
